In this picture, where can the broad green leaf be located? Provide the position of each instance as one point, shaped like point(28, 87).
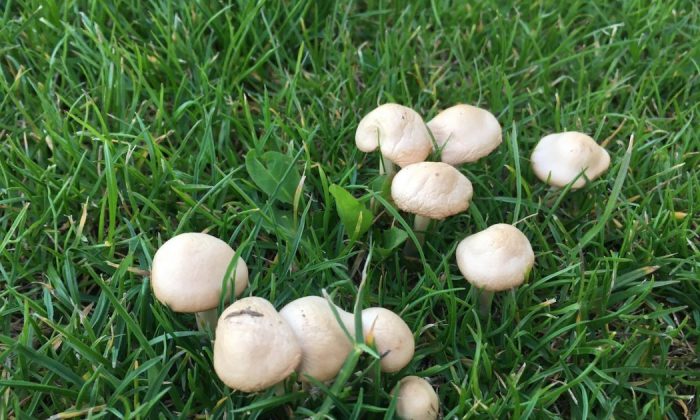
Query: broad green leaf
point(276, 221)
point(354, 215)
point(391, 239)
point(382, 185)
point(274, 173)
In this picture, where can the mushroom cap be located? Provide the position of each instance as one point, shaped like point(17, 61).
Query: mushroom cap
point(559, 158)
point(416, 399)
point(254, 347)
point(324, 344)
point(188, 272)
point(393, 338)
point(495, 259)
point(399, 131)
point(431, 189)
point(465, 133)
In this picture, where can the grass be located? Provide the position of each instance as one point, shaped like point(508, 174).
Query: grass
point(124, 123)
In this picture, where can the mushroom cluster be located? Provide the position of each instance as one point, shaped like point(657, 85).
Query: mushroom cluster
point(430, 190)
point(257, 347)
point(462, 134)
point(326, 343)
point(499, 257)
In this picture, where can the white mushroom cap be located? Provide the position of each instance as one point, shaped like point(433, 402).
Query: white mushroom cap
point(188, 272)
point(431, 189)
point(497, 258)
point(559, 158)
point(391, 335)
point(465, 133)
point(254, 347)
point(324, 344)
point(398, 130)
point(416, 399)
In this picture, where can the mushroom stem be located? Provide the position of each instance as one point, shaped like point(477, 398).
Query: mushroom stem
point(387, 167)
point(485, 299)
point(420, 225)
point(207, 320)
point(279, 389)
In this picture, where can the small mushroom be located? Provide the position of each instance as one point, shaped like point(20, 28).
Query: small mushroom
point(188, 275)
point(560, 158)
point(431, 190)
point(392, 337)
point(324, 344)
point(416, 399)
point(254, 348)
point(497, 258)
point(398, 131)
point(465, 133)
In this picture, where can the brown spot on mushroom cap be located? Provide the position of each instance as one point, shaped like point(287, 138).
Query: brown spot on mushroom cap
point(324, 344)
point(559, 158)
point(495, 259)
point(188, 272)
point(416, 399)
point(254, 348)
point(392, 337)
point(399, 131)
point(243, 312)
point(431, 189)
point(465, 133)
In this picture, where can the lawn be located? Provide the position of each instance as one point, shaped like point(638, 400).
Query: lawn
point(124, 123)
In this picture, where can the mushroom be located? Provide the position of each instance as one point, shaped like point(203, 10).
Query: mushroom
point(431, 190)
point(416, 399)
point(558, 159)
point(188, 275)
point(465, 133)
point(324, 344)
point(254, 348)
point(392, 337)
point(398, 131)
point(497, 258)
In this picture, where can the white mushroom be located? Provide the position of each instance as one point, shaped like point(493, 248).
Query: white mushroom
point(465, 133)
point(398, 131)
point(431, 190)
point(324, 344)
point(559, 158)
point(497, 258)
point(188, 275)
point(416, 399)
point(392, 337)
point(254, 348)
